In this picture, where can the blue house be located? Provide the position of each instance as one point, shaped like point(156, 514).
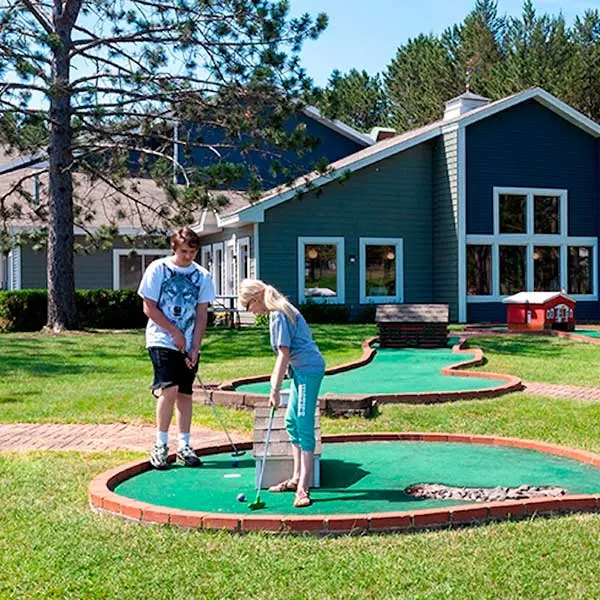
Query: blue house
point(119, 267)
point(494, 198)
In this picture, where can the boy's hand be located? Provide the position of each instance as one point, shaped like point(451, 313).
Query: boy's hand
point(191, 359)
point(179, 340)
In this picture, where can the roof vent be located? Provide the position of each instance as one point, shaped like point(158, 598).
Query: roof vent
point(382, 133)
point(462, 104)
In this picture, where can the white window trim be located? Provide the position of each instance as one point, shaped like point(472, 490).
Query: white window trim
point(398, 243)
point(242, 242)
point(231, 272)
point(215, 247)
point(125, 252)
point(530, 240)
point(14, 268)
point(204, 251)
point(340, 270)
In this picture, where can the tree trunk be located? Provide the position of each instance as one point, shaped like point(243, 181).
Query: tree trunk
point(61, 276)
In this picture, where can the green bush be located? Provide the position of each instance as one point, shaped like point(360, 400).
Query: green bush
point(262, 320)
point(26, 310)
point(23, 310)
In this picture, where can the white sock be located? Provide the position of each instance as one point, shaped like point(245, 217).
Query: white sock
point(162, 437)
point(184, 439)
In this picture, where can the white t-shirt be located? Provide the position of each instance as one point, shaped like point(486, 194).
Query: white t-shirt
point(177, 291)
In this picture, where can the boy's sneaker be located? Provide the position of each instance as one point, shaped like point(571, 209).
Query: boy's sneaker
point(187, 457)
point(159, 455)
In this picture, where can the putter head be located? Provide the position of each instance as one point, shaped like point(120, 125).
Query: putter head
point(238, 453)
point(256, 505)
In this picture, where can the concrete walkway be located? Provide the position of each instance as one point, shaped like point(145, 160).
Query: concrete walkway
point(97, 438)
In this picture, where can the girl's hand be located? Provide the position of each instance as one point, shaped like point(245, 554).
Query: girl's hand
point(274, 398)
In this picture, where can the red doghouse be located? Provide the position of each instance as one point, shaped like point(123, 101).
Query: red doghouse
point(535, 311)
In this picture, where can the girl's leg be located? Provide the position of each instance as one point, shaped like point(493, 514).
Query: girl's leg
point(308, 394)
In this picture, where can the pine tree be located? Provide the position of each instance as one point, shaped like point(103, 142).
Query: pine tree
point(117, 74)
point(356, 98)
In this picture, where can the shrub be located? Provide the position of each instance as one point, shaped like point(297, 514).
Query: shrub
point(26, 310)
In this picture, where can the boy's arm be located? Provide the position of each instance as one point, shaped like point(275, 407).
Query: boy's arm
point(199, 331)
point(152, 311)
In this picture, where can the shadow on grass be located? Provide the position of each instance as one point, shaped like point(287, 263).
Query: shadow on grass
point(521, 345)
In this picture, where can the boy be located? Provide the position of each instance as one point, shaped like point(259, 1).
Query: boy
point(176, 292)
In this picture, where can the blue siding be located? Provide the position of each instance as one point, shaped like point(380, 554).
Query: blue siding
point(331, 147)
point(392, 198)
point(528, 145)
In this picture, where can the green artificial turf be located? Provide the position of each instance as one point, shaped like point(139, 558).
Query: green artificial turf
point(364, 477)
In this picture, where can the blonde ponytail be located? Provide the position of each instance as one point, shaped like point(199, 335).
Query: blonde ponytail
point(273, 299)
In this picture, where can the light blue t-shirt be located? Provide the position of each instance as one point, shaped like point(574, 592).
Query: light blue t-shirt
point(304, 354)
point(177, 291)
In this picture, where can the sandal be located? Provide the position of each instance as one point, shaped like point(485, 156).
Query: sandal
point(289, 485)
point(302, 500)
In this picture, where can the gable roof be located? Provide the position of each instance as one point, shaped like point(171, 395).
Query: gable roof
point(394, 145)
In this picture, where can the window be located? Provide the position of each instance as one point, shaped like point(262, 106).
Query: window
point(513, 213)
point(321, 269)
point(479, 270)
point(546, 269)
point(206, 257)
point(581, 270)
point(243, 253)
point(381, 270)
point(218, 268)
point(530, 249)
point(129, 266)
point(512, 269)
point(546, 214)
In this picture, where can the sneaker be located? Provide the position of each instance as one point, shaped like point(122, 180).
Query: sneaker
point(159, 455)
point(187, 457)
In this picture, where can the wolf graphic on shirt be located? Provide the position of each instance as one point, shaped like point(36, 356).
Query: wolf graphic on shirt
point(179, 298)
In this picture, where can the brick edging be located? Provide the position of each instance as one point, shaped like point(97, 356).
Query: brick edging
point(102, 498)
point(334, 404)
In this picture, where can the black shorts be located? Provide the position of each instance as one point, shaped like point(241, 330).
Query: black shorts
point(170, 369)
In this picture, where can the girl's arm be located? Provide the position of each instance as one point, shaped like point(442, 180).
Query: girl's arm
point(281, 365)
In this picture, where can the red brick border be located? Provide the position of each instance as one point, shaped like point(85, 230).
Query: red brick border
point(338, 403)
point(490, 331)
point(102, 498)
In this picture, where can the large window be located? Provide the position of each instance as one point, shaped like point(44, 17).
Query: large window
point(381, 270)
point(512, 269)
point(479, 270)
point(530, 249)
point(129, 266)
point(321, 269)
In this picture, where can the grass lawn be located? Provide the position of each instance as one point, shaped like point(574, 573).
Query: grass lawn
point(53, 546)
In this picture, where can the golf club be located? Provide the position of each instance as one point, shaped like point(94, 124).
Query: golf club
point(208, 400)
point(257, 504)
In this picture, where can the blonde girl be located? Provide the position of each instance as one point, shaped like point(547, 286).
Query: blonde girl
point(297, 352)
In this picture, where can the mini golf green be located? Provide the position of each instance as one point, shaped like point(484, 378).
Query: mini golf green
point(363, 477)
point(396, 371)
point(595, 333)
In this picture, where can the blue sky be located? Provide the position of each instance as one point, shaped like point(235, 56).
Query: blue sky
point(365, 34)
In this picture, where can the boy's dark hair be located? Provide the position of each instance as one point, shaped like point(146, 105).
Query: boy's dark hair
point(185, 235)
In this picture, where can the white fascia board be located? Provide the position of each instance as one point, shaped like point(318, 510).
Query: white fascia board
point(345, 130)
point(546, 99)
point(255, 214)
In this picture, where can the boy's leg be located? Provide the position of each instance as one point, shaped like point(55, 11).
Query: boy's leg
point(185, 452)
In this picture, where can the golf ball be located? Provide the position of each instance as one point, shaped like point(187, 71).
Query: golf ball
point(241, 498)
point(234, 463)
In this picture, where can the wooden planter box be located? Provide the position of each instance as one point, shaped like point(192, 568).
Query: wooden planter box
point(412, 325)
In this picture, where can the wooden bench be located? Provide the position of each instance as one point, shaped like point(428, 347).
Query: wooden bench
point(412, 325)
